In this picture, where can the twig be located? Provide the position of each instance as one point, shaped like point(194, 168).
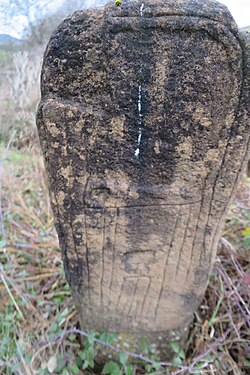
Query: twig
point(10, 294)
point(1, 176)
point(199, 357)
point(234, 291)
point(37, 353)
point(3, 363)
point(37, 277)
point(27, 371)
point(39, 248)
point(229, 247)
point(25, 247)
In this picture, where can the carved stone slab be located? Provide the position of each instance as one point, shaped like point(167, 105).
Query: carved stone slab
point(144, 130)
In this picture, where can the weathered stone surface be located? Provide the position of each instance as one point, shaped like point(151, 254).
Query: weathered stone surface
point(144, 129)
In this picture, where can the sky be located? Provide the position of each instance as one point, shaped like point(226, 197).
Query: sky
point(240, 10)
point(14, 25)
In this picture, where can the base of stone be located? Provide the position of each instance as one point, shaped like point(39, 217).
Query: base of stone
point(138, 345)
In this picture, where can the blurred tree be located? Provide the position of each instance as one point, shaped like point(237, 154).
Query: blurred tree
point(36, 19)
point(26, 14)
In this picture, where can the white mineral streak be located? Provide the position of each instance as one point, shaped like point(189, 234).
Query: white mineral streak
point(137, 151)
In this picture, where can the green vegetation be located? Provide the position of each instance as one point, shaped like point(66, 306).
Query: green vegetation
point(39, 329)
point(5, 57)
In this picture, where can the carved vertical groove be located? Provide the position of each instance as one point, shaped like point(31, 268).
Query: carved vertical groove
point(183, 242)
point(87, 254)
point(166, 262)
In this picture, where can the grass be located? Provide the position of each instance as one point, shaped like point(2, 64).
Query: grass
point(39, 329)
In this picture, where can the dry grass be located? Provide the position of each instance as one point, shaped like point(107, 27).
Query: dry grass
point(36, 309)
